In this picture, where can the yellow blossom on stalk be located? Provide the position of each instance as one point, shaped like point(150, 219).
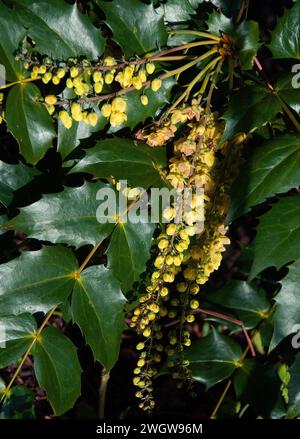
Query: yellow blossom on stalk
point(156, 84)
point(109, 61)
point(108, 79)
point(76, 112)
point(50, 99)
point(137, 83)
point(47, 77)
point(106, 110)
point(66, 119)
point(142, 75)
point(42, 69)
point(92, 119)
point(74, 71)
point(150, 67)
point(117, 118)
point(119, 104)
point(144, 100)
point(69, 83)
point(60, 73)
point(98, 87)
point(97, 76)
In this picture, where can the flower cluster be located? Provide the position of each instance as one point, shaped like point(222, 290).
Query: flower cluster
point(186, 254)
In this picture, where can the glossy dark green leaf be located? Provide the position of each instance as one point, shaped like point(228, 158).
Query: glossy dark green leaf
point(97, 308)
point(289, 91)
point(57, 369)
point(16, 335)
point(245, 36)
point(138, 28)
point(278, 236)
point(124, 159)
point(67, 217)
point(213, 358)
point(59, 29)
point(129, 250)
point(258, 385)
point(29, 121)
point(44, 280)
point(294, 390)
point(3, 220)
point(287, 311)
point(2, 386)
point(13, 177)
point(247, 302)
point(19, 404)
point(229, 7)
point(177, 10)
point(285, 37)
point(137, 112)
point(273, 168)
point(242, 115)
point(12, 33)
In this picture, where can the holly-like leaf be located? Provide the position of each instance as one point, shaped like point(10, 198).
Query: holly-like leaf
point(59, 29)
point(178, 10)
point(12, 32)
point(57, 369)
point(13, 177)
point(288, 92)
point(67, 217)
point(36, 281)
point(258, 385)
point(129, 250)
point(16, 335)
point(285, 41)
point(272, 169)
point(247, 302)
point(294, 390)
point(242, 115)
point(137, 112)
point(138, 28)
point(97, 308)
point(213, 358)
point(124, 159)
point(32, 127)
point(19, 404)
point(287, 311)
point(278, 236)
point(245, 36)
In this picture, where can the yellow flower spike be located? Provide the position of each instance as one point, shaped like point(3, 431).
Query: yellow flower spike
point(50, 99)
point(106, 110)
point(66, 119)
point(117, 118)
point(74, 71)
point(144, 100)
point(150, 67)
point(51, 109)
point(140, 346)
point(56, 80)
point(60, 73)
point(156, 84)
point(69, 83)
point(97, 77)
point(93, 119)
point(42, 69)
point(119, 104)
point(108, 79)
point(137, 83)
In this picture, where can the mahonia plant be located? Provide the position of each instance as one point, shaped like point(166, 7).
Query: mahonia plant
point(176, 96)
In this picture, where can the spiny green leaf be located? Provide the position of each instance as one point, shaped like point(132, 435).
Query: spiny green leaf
point(138, 28)
point(16, 335)
point(242, 115)
point(137, 112)
point(213, 358)
point(177, 10)
point(67, 217)
point(12, 33)
point(13, 177)
point(97, 308)
point(244, 299)
point(59, 29)
point(29, 121)
point(286, 36)
point(287, 311)
point(124, 159)
point(57, 369)
point(44, 279)
point(288, 92)
point(129, 250)
point(245, 36)
point(278, 236)
point(272, 169)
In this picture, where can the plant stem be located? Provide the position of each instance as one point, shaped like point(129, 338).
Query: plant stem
point(102, 392)
point(289, 112)
point(221, 399)
point(198, 33)
point(22, 81)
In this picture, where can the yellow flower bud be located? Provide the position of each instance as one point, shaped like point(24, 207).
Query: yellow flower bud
point(98, 87)
point(171, 229)
point(97, 77)
point(56, 80)
point(119, 104)
point(163, 243)
point(137, 83)
point(51, 109)
point(74, 71)
point(168, 277)
point(108, 79)
point(66, 119)
point(144, 100)
point(164, 292)
point(109, 61)
point(93, 119)
point(69, 83)
point(106, 110)
point(194, 304)
point(150, 67)
point(156, 84)
point(117, 118)
point(140, 346)
point(147, 332)
point(50, 99)
point(60, 73)
point(141, 362)
point(190, 318)
point(142, 75)
point(42, 69)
